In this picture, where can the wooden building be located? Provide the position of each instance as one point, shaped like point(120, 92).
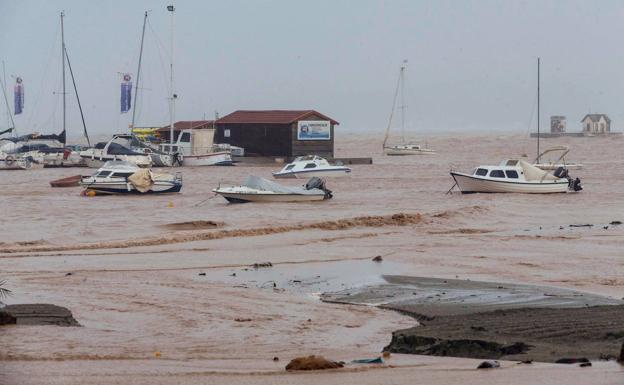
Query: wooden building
point(283, 133)
point(596, 124)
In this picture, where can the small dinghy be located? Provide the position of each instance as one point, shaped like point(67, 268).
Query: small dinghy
point(121, 177)
point(515, 176)
point(311, 166)
point(256, 189)
point(70, 181)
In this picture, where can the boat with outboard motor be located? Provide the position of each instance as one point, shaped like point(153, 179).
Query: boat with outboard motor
point(122, 177)
point(515, 176)
point(257, 189)
point(311, 166)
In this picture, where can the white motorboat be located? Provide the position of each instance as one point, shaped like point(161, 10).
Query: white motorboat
point(515, 176)
point(543, 162)
point(256, 189)
point(196, 148)
point(403, 148)
point(118, 148)
point(11, 162)
point(122, 177)
point(311, 166)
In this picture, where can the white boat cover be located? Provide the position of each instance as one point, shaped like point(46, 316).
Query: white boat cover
point(532, 173)
point(259, 183)
point(141, 180)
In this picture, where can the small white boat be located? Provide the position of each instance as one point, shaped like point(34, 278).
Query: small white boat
point(560, 161)
point(515, 176)
point(256, 189)
point(408, 149)
point(220, 158)
point(311, 166)
point(12, 162)
point(118, 148)
point(121, 177)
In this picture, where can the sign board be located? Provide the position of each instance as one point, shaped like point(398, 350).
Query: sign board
point(314, 130)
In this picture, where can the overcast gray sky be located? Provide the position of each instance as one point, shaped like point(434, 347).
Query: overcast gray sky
point(472, 64)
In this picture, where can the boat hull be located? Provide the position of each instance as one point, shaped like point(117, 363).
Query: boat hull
point(222, 158)
point(94, 161)
point(72, 181)
point(394, 151)
point(470, 184)
point(126, 188)
point(234, 197)
point(331, 173)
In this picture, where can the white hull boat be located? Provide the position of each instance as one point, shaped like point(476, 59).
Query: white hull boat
point(221, 158)
point(408, 149)
point(119, 148)
point(119, 177)
point(311, 166)
point(11, 163)
point(256, 189)
point(514, 176)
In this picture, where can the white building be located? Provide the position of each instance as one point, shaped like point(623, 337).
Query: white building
point(596, 124)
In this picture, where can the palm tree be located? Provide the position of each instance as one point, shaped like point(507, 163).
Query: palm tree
point(4, 292)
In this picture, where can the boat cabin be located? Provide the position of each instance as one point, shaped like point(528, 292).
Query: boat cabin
point(116, 169)
point(507, 169)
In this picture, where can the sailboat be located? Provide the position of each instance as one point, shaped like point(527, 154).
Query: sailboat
point(563, 150)
point(52, 150)
point(403, 148)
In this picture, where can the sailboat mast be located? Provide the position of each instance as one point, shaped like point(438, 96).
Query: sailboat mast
point(171, 9)
point(63, 71)
point(538, 109)
point(71, 73)
point(10, 120)
point(403, 106)
point(136, 93)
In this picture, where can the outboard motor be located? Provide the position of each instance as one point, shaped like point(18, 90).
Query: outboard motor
point(318, 183)
point(561, 172)
point(575, 185)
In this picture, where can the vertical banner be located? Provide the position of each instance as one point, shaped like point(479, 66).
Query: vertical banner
point(19, 96)
point(126, 93)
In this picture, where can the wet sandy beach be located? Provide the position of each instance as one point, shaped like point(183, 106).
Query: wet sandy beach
point(148, 316)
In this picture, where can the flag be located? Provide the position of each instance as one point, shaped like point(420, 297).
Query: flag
point(126, 94)
point(19, 96)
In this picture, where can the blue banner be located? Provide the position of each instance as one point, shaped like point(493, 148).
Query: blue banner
point(126, 94)
point(19, 96)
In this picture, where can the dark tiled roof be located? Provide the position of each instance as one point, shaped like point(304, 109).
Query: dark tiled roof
point(596, 117)
point(188, 124)
point(270, 117)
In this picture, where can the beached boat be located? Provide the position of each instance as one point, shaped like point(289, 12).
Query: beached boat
point(311, 166)
point(515, 176)
point(70, 181)
point(558, 162)
point(256, 189)
point(121, 177)
point(403, 148)
point(118, 148)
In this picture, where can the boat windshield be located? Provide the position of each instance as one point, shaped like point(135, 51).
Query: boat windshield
point(481, 172)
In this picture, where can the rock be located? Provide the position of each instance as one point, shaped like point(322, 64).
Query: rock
point(313, 363)
point(378, 259)
point(527, 362)
point(242, 319)
point(37, 314)
point(276, 359)
point(68, 274)
point(489, 365)
point(202, 274)
point(615, 223)
point(468, 348)
point(621, 359)
point(386, 354)
point(571, 360)
point(585, 364)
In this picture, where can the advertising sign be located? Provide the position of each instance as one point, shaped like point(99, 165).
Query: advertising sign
point(314, 130)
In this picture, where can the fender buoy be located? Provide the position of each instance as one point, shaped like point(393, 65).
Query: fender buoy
point(9, 160)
